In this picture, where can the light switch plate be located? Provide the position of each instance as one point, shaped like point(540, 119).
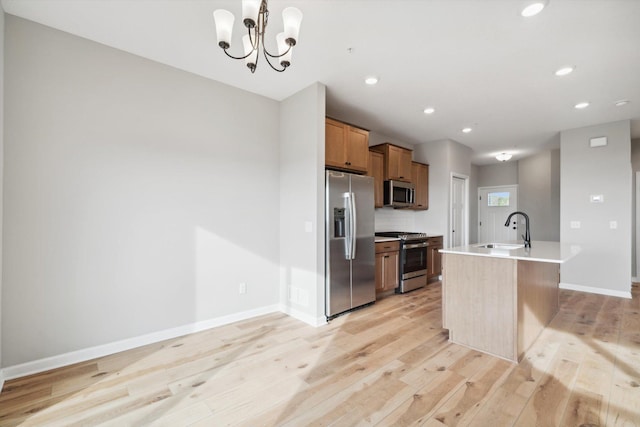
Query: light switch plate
point(600, 141)
point(613, 225)
point(597, 198)
point(308, 226)
point(575, 224)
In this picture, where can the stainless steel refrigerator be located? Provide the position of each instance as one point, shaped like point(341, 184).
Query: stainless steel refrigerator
point(349, 242)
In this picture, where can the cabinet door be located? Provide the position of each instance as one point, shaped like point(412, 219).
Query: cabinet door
point(393, 163)
point(380, 272)
point(420, 178)
point(399, 164)
point(357, 149)
point(434, 263)
point(376, 170)
point(437, 261)
point(391, 270)
point(404, 167)
point(335, 143)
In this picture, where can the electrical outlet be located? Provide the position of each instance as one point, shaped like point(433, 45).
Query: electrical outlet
point(575, 224)
point(613, 225)
point(242, 288)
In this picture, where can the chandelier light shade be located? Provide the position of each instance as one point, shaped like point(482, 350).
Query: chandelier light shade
point(255, 16)
point(503, 157)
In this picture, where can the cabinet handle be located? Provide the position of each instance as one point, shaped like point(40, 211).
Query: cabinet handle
point(386, 256)
point(348, 163)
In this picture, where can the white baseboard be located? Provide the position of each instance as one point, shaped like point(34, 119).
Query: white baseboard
point(83, 355)
point(600, 291)
point(303, 317)
point(1, 379)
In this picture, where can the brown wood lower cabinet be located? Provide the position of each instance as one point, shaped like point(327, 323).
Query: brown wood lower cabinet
point(434, 257)
point(387, 258)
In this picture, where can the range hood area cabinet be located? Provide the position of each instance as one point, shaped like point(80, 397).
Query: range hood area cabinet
point(397, 161)
point(346, 147)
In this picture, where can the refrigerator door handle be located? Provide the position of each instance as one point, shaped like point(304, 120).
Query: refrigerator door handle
point(348, 226)
point(354, 224)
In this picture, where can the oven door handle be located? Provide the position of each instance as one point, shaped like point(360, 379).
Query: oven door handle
point(416, 245)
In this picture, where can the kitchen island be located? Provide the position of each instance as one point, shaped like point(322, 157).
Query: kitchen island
point(497, 298)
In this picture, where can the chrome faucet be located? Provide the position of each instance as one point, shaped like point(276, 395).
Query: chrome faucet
point(527, 234)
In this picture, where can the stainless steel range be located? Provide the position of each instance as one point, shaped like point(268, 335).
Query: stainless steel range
point(413, 259)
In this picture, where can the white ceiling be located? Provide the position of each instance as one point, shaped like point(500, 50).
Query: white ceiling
point(478, 62)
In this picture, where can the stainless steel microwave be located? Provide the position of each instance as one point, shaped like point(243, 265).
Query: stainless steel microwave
point(399, 194)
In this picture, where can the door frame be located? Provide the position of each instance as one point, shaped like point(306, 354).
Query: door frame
point(517, 190)
point(465, 237)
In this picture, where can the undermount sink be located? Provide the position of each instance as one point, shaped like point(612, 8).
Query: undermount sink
point(503, 246)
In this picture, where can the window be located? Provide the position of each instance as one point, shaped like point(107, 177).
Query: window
point(498, 199)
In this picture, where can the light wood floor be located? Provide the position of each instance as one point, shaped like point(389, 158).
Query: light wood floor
point(389, 364)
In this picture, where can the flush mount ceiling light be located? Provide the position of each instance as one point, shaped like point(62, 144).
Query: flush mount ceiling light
point(533, 8)
point(503, 157)
point(429, 110)
point(467, 130)
point(371, 80)
point(564, 71)
point(622, 103)
point(581, 105)
point(254, 17)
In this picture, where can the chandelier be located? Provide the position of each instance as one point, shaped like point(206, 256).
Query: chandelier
point(255, 17)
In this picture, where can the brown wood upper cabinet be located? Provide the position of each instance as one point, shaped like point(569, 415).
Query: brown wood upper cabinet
point(397, 161)
point(346, 147)
point(420, 179)
point(376, 170)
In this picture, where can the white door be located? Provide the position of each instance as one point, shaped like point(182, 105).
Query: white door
point(494, 206)
point(458, 235)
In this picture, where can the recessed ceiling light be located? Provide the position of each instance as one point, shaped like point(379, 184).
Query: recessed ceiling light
point(467, 130)
point(532, 9)
point(371, 80)
point(622, 103)
point(564, 71)
point(581, 105)
point(429, 110)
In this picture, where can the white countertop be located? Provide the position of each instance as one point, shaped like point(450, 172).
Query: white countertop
point(555, 252)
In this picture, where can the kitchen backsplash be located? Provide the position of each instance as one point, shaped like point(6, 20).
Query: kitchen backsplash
point(394, 220)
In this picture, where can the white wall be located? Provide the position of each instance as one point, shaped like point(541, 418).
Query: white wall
point(137, 196)
point(539, 194)
point(604, 265)
point(444, 158)
point(435, 220)
point(376, 138)
point(1, 171)
point(302, 185)
point(505, 173)
point(635, 165)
